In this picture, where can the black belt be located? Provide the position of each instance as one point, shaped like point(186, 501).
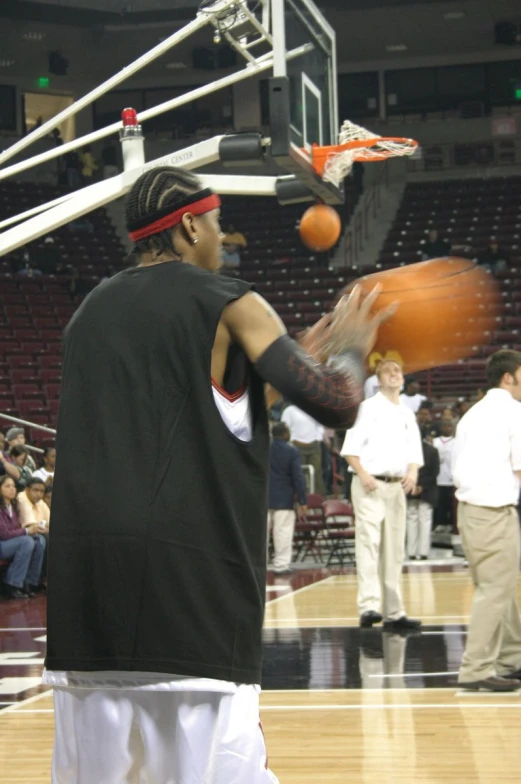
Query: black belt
point(389, 478)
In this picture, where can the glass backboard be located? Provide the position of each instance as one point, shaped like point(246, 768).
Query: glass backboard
point(303, 91)
point(312, 76)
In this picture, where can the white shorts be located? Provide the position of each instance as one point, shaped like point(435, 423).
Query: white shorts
point(120, 736)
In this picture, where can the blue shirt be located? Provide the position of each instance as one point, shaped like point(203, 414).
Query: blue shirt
point(286, 476)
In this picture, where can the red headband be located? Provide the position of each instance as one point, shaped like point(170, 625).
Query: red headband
point(200, 207)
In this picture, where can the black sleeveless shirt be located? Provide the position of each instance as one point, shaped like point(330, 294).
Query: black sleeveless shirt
point(157, 559)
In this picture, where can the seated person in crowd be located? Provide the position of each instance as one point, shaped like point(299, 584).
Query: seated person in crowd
point(434, 248)
point(49, 257)
point(7, 467)
point(494, 259)
point(15, 436)
point(411, 395)
point(2, 442)
point(18, 455)
point(47, 496)
point(232, 242)
point(24, 547)
point(421, 503)
point(46, 472)
point(33, 511)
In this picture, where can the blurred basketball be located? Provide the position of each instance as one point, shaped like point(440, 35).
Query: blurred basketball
point(320, 227)
point(446, 311)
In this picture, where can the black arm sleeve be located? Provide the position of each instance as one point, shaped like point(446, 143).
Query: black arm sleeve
point(331, 395)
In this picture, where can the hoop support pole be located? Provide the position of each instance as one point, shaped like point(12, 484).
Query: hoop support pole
point(264, 63)
point(202, 19)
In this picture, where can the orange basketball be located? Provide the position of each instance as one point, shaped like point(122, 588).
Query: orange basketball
point(320, 227)
point(446, 310)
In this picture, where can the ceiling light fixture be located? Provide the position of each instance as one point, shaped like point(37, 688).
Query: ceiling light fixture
point(450, 15)
point(396, 47)
point(6, 63)
point(175, 66)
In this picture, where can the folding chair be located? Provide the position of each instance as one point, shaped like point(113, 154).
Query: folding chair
point(308, 529)
point(340, 531)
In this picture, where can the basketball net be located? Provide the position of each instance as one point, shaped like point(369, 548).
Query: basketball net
point(356, 143)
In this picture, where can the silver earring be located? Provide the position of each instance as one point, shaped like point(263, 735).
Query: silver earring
point(195, 240)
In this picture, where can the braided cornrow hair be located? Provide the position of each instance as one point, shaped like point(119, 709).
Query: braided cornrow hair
point(156, 189)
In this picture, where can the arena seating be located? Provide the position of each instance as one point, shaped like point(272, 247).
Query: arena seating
point(298, 283)
point(34, 311)
point(466, 213)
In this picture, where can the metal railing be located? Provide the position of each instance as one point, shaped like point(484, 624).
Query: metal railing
point(26, 423)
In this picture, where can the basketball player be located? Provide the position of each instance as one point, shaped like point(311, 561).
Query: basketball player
point(158, 561)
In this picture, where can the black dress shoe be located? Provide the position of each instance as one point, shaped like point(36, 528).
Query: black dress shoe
point(515, 675)
point(403, 624)
point(369, 618)
point(15, 593)
point(494, 683)
point(284, 572)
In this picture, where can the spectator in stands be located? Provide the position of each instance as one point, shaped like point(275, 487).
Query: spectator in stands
point(88, 165)
point(494, 259)
point(46, 472)
point(371, 386)
point(307, 435)
point(444, 511)
point(19, 457)
point(33, 511)
point(15, 436)
point(2, 442)
point(428, 428)
point(462, 406)
point(286, 484)
point(47, 496)
point(7, 467)
point(27, 268)
point(72, 170)
point(232, 243)
point(411, 395)
point(50, 256)
point(82, 224)
point(109, 159)
point(434, 247)
point(25, 547)
point(421, 503)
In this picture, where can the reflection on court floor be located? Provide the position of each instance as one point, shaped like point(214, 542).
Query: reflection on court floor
point(340, 704)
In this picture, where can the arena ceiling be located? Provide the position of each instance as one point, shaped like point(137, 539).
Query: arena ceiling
point(99, 37)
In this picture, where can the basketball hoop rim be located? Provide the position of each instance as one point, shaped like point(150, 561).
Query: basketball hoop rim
point(321, 154)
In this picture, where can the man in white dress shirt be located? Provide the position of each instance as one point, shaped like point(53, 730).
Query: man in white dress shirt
point(411, 395)
point(371, 386)
point(307, 435)
point(487, 470)
point(384, 451)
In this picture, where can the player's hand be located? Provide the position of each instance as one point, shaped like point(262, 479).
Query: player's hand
point(369, 483)
point(409, 480)
point(352, 326)
point(302, 510)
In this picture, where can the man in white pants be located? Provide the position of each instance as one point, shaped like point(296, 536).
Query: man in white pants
point(384, 451)
point(286, 485)
point(487, 470)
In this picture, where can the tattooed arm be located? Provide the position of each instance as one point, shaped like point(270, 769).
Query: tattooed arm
point(330, 394)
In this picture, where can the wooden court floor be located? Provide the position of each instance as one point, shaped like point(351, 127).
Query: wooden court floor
point(394, 726)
